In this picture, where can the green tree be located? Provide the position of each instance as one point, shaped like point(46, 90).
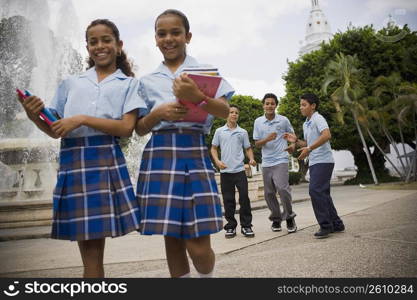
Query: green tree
point(376, 57)
point(408, 116)
point(343, 70)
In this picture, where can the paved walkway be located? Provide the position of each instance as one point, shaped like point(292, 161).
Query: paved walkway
point(380, 241)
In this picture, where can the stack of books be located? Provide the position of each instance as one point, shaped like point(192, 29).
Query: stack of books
point(208, 81)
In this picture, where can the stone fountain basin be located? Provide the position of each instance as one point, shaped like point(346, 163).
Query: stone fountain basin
point(31, 167)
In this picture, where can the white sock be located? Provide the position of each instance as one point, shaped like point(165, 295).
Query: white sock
point(186, 275)
point(208, 275)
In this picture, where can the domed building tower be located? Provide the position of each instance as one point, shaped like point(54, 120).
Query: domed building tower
point(317, 30)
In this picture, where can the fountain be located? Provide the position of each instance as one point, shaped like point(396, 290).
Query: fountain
point(37, 50)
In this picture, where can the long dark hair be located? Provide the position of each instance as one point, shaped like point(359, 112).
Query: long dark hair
point(122, 62)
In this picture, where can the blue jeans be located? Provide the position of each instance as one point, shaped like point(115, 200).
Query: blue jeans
point(319, 189)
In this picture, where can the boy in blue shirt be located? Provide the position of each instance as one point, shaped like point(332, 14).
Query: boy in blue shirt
point(231, 138)
point(268, 133)
point(316, 146)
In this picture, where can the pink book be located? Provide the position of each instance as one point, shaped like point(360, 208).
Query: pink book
point(209, 86)
point(41, 114)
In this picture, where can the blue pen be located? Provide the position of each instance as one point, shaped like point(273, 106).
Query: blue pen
point(45, 111)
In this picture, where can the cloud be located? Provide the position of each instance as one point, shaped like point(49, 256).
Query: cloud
point(219, 27)
point(381, 7)
point(256, 88)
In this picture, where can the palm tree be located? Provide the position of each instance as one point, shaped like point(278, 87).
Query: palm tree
point(377, 119)
point(390, 87)
point(344, 71)
point(408, 104)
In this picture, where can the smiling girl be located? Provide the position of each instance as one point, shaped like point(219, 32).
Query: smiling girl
point(176, 187)
point(93, 197)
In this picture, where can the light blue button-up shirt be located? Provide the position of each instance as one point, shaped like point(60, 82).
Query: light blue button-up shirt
point(273, 152)
point(231, 142)
point(110, 98)
point(312, 129)
point(156, 89)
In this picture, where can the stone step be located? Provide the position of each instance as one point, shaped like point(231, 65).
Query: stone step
point(15, 214)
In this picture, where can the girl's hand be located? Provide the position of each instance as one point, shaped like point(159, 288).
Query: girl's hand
point(305, 151)
point(33, 106)
point(185, 88)
point(290, 137)
point(171, 111)
point(64, 126)
point(252, 162)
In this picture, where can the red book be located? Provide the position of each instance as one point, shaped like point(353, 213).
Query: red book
point(209, 86)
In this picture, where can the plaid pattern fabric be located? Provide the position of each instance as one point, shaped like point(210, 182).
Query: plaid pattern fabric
point(176, 188)
point(93, 197)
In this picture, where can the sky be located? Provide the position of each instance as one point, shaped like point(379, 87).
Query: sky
point(250, 41)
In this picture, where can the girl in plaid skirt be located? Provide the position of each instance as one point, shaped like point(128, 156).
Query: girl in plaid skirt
point(176, 187)
point(93, 197)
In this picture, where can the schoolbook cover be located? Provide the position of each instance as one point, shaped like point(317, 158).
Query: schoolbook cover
point(209, 85)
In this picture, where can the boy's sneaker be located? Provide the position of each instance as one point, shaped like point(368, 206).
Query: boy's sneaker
point(322, 234)
point(340, 228)
point(230, 233)
point(291, 226)
point(276, 226)
point(248, 232)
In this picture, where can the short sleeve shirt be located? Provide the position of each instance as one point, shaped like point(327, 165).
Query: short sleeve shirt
point(156, 89)
point(312, 129)
point(110, 98)
point(273, 152)
point(231, 142)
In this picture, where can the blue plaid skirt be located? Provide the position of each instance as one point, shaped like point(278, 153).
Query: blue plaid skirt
point(176, 189)
point(93, 197)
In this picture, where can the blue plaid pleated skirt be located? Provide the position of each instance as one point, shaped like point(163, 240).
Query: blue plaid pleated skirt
point(176, 188)
point(93, 197)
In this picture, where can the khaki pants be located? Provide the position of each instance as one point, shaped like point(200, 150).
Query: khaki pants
point(276, 180)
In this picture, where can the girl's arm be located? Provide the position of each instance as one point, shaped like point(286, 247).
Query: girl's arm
point(122, 128)
point(171, 111)
point(185, 88)
point(217, 107)
point(33, 105)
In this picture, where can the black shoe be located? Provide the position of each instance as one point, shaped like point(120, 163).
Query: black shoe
point(340, 228)
point(291, 226)
point(322, 234)
point(248, 232)
point(276, 226)
point(230, 233)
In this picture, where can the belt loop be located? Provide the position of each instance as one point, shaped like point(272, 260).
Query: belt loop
point(86, 141)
